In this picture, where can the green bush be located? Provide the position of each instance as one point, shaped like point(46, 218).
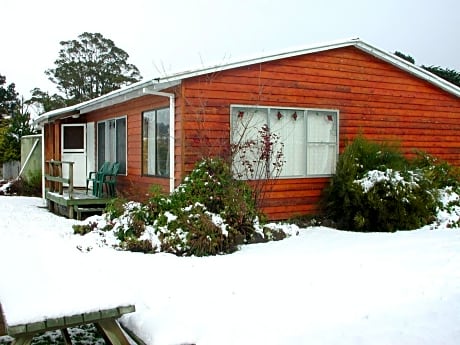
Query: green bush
point(391, 201)
point(83, 229)
point(439, 172)
point(209, 213)
point(376, 189)
point(115, 208)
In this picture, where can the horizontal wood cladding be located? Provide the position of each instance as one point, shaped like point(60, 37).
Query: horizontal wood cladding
point(134, 186)
point(287, 198)
point(373, 97)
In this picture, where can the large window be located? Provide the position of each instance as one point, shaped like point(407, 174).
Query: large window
point(155, 142)
point(111, 142)
point(308, 138)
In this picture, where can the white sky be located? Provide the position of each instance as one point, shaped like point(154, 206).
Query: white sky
point(176, 35)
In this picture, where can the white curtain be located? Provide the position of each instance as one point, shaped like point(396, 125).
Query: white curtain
point(290, 126)
point(322, 142)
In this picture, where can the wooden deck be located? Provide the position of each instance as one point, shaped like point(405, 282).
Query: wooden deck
point(75, 203)
point(63, 199)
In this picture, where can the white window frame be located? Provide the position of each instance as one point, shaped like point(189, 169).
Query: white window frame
point(306, 111)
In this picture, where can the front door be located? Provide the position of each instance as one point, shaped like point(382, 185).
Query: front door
point(74, 149)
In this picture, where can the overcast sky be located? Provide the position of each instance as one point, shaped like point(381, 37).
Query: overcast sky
point(174, 35)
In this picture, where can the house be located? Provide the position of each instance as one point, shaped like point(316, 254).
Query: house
point(317, 98)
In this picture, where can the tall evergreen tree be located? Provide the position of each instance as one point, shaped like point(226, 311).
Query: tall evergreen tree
point(9, 100)
point(12, 129)
point(91, 66)
point(43, 102)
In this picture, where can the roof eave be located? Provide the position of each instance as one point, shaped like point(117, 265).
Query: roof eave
point(409, 67)
point(115, 97)
point(261, 59)
point(136, 90)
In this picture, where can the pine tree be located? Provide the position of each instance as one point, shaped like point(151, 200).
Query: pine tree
point(12, 129)
point(9, 101)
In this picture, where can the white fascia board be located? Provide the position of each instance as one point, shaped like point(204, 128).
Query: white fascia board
point(356, 42)
point(260, 59)
point(119, 96)
point(53, 114)
point(409, 67)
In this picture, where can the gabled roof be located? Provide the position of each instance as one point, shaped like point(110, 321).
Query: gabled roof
point(161, 83)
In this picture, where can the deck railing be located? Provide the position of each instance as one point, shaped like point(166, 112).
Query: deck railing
point(55, 179)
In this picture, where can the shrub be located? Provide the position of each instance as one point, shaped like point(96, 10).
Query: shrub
point(374, 190)
point(27, 186)
point(390, 201)
point(82, 229)
point(209, 213)
point(115, 208)
point(439, 172)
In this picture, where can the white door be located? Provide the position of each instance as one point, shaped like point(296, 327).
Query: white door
point(74, 149)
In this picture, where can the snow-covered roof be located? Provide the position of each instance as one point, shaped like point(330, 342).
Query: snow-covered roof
point(161, 83)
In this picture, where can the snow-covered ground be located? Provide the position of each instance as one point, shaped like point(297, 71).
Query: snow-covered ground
point(321, 287)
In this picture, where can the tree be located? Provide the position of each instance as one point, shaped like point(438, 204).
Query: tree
point(12, 129)
point(91, 66)
point(450, 75)
point(43, 102)
point(405, 57)
point(8, 98)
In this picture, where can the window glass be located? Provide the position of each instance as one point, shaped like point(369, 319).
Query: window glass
point(111, 142)
point(74, 137)
point(307, 139)
point(162, 143)
point(100, 144)
point(289, 125)
point(321, 146)
point(121, 143)
point(246, 128)
point(155, 142)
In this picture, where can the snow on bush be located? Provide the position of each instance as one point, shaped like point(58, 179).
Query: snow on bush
point(209, 213)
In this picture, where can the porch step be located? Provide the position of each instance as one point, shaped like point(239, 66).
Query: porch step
point(79, 210)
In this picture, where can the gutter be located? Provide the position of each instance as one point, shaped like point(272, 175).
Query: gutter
point(172, 117)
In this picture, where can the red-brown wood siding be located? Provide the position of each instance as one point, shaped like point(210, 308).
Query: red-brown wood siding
point(134, 185)
point(373, 97)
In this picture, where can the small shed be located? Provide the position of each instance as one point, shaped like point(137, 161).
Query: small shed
point(316, 99)
point(31, 155)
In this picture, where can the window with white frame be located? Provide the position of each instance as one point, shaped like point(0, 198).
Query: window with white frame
point(309, 137)
point(155, 142)
point(111, 142)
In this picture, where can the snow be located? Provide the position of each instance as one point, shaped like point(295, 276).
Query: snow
point(319, 286)
point(394, 177)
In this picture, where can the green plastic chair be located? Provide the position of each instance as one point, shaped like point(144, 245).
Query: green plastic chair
point(109, 180)
point(95, 176)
